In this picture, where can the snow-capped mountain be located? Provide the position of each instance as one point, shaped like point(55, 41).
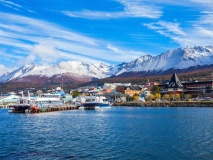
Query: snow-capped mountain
point(26, 70)
point(180, 58)
point(70, 68)
point(127, 67)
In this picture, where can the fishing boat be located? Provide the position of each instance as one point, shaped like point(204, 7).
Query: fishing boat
point(93, 102)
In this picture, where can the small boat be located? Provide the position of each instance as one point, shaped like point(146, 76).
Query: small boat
point(93, 102)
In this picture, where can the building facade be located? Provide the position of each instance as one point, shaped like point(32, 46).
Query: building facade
point(193, 88)
point(129, 90)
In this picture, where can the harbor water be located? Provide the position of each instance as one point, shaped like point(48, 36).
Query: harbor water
point(117, 133)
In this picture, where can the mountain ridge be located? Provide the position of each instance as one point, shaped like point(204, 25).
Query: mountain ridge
point(169, 61)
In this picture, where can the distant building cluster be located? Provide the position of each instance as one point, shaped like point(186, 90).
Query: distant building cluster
point(172, 86)
point(122, 92)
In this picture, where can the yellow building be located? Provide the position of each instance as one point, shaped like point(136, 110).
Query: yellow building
point(129, 90)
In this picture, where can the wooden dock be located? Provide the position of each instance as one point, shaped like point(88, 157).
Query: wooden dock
point(53, 109)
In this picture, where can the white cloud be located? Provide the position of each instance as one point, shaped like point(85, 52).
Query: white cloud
point(206, 18)
point(131, 9)
point(42, 42)
point(206, 3)
point(140, 9)
point(197, 34)
point(15, 6)
point(10, 4)
point(4, 69)
point(125, 55)
point(44, 53)
point(6, 56)
point(186, 3)
point(166, 28)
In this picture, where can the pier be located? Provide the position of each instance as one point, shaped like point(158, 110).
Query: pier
point(4, 106)
point(52, 109)
point(35, 109)
point(166, 104)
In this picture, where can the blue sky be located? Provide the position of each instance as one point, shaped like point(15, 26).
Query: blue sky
point(109, 31)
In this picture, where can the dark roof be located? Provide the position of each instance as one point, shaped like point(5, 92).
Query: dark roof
point(202, 82)
point(175, 82)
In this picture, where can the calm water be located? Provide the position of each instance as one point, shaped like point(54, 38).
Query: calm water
point(117, 133)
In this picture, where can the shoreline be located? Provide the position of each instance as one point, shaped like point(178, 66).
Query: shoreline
point(166, 104)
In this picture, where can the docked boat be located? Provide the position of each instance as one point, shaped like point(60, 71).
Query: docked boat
point(20, 107)
point(42, 103)
point(93, 102)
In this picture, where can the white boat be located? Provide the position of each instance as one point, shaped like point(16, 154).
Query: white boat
point(93, 102)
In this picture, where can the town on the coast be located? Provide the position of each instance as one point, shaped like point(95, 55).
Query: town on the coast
point(172, 92)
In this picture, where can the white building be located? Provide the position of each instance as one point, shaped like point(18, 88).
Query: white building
point(112, 86)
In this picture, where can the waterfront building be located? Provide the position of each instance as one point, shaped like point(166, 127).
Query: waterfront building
point(199, 88)
point(129, 90)
point(173, 87)
point(194, 88)
point(10, 99)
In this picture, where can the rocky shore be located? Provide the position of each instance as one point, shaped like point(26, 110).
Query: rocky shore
point(166, 104)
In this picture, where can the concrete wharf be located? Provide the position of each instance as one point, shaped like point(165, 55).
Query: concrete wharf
point(42, 110)
point(166, 104)
point(53, 109)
